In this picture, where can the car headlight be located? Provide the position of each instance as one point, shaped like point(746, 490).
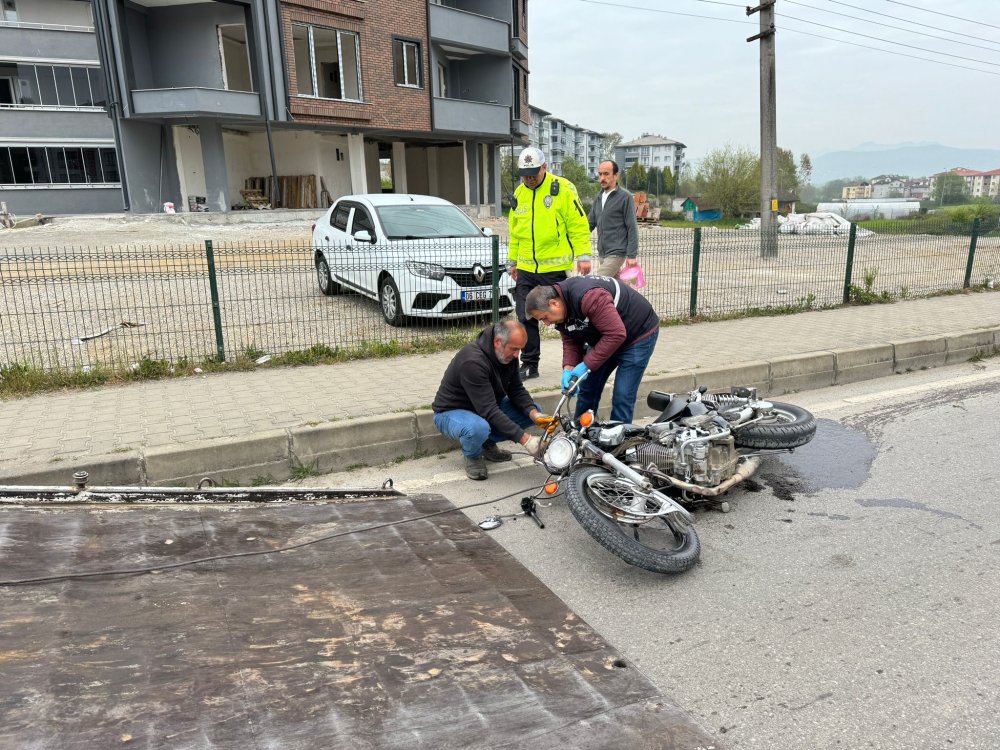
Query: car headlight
point(559, 455)
point(427, 270)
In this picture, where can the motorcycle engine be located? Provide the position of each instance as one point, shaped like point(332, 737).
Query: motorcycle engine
point(696, 450)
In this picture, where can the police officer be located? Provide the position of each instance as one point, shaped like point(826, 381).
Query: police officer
point(549, 230)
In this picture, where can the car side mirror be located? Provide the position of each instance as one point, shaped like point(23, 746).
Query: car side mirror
point(488, 231)
point(363, 235)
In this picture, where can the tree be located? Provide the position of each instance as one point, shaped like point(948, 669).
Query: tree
point(669, 184)
point(805, 170)
point(609, 141)
point(728, 178)
point(949, 189)
point(834, 189)
point(788, 175)
point(635, 177)
point(507, 184)
point(654, 181)
point(576, 173)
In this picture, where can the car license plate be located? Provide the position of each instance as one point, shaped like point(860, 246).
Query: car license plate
point(474, 295)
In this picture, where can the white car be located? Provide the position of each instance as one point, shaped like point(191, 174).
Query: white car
point(417, 255)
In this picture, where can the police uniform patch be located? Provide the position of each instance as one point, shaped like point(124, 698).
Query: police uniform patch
point(548, 201)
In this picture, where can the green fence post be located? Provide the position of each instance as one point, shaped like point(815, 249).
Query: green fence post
point(972, 253)
point(495, 280)
point(220, 347)
point(850, 262)
point(695, 263)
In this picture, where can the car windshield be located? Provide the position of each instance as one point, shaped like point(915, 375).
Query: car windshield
point(421, 222)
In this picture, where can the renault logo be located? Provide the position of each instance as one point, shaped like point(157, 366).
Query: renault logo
point(479, 273)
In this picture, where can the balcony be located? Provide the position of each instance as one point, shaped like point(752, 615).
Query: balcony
point(72, 42)
point(463, 116)
point(195, 101)
point(468, 30)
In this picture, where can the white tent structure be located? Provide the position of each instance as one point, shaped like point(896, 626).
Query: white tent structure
point(886, 208)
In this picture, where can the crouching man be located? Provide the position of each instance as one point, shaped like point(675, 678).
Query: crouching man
point(481, 400)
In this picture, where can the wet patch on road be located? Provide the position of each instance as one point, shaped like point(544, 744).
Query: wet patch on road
point(912, 505)
point(838, 457)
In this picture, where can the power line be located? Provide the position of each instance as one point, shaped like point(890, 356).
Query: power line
point(806, 33)
point(890, 26)
point(892, 52)
point(673, 12)
point(915, 23)
point(889, 41)
point(939, 13)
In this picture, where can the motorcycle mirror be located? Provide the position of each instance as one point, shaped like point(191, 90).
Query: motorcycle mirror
point(490, 522)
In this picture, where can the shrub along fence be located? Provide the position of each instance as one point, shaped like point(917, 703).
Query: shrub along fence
point(124, 307)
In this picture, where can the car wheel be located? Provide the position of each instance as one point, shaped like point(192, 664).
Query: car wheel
point(392, 306)
point(327, 285)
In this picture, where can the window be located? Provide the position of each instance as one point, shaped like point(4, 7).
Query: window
point(55, 165)
point(9, 11)
point(51, 85)
point(362, 221)
point(327, 62)
point(406, 63)
point(340, 217)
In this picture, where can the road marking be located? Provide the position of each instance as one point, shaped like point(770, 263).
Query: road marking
point(909, 390)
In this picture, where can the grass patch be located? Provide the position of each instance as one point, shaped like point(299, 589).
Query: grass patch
point(982, 356)
point(717, 223)
point(303, 471)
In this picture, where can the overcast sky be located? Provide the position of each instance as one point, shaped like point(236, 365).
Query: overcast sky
point(609, 67)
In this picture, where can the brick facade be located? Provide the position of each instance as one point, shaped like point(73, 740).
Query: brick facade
point(385, 105)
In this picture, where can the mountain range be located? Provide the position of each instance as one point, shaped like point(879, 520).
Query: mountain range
point(909, 159)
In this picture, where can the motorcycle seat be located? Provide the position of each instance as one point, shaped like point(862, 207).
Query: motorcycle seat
point(658, 400)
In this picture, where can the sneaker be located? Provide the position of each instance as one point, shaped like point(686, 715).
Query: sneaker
point(475, 468)
point(529, 371)
point(492, 453)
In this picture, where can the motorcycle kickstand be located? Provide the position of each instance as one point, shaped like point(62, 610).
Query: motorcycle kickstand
point(529, 509)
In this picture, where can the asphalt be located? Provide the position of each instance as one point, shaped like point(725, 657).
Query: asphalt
point(273, 424)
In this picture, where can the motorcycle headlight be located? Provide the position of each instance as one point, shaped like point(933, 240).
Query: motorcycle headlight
point(427, 270)
point(559, 455)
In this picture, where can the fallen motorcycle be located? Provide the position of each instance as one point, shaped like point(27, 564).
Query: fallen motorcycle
point(633, 487)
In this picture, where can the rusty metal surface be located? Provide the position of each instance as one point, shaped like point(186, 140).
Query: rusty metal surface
point(425, 634)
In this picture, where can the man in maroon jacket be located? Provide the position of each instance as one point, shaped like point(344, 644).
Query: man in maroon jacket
point(605, 325)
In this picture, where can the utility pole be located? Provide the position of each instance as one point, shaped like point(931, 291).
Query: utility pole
point(768, 130)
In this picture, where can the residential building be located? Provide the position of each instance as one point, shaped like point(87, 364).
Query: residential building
point(917, 190)
point(57, 145)
point(980, 184)
point(559, 139)
point(311, 100)
point(887, 186)
point(854, 192)
point(651, 151)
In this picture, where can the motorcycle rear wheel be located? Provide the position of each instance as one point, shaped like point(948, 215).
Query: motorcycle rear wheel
point(661, 544)
point(787, 426)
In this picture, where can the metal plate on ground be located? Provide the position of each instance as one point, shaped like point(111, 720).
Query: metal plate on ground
point(423, 634)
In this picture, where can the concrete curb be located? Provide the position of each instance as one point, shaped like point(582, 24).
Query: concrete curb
point(276, 456)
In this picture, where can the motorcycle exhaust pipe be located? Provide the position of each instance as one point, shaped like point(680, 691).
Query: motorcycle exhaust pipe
point(746, 471)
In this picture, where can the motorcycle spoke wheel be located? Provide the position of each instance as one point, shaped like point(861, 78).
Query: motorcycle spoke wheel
point(599, 501)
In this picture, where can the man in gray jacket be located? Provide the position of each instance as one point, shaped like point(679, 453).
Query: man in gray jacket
point(613, 216)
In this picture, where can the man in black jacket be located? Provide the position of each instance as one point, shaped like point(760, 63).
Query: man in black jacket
point(481, 400)
point(613, 216)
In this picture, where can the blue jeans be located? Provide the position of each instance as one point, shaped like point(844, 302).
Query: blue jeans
point(631, 364)
point(470, 430)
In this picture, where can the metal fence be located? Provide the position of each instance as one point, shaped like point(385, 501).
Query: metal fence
point(117, 306)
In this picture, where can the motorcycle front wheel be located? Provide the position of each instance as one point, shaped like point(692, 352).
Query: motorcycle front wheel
point(598, 500)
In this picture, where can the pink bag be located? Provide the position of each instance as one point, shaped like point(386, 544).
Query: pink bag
point(633, 276)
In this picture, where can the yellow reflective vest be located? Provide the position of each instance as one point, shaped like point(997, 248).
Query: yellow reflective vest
point(548, 227)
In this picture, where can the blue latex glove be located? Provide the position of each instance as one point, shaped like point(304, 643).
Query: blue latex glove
point(571, 376)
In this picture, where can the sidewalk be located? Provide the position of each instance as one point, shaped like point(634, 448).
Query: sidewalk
point(260, 426)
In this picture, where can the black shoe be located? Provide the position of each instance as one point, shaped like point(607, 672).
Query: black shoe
point(475, 468)
point(529, 371)
point(492, 453)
